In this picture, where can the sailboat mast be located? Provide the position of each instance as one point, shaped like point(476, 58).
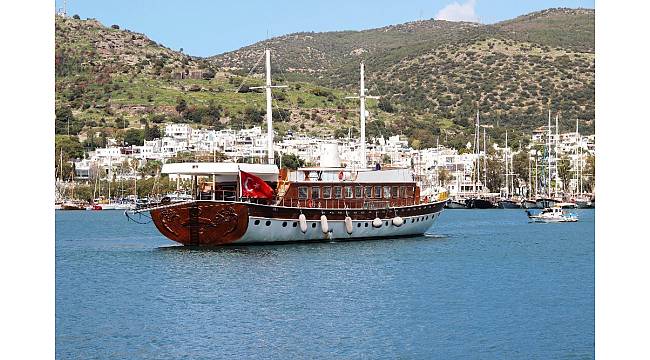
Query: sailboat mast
point(557, 157)
point(484, 161)
point(362, 105)
point(269, 108)
point(506, 161)
point(548, 155)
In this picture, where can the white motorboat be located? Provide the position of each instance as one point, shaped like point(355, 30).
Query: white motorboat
point(552, 215)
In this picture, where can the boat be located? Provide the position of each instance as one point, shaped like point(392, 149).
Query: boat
point(552, 215)
point(456, 204)
point(508, 204)
point(529, 204)
point(585, 203)
point(479, 203)
point(239, 203)
point(567, 205)
point(72, 205)
point(546, 202)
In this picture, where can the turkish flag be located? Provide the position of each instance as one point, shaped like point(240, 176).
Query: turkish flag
point(254, 187)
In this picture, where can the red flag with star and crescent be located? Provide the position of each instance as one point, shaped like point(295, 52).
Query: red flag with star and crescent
point(254, 187)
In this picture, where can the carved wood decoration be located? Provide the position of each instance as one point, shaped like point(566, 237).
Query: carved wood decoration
point(202, 224)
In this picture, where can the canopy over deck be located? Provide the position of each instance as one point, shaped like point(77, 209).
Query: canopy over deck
point(224, 172)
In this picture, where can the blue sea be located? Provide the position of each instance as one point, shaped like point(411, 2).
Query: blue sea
point(485, 285)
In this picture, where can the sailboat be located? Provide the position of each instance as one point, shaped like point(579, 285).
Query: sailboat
point(506, 202)
point(259, 203)
point(479, 201)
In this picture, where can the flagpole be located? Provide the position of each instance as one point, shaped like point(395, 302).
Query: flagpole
point(238, 183)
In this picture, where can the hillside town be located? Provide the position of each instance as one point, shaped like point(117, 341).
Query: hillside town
point(440, 166)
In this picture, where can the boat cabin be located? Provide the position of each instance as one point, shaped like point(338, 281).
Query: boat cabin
point(305, 187)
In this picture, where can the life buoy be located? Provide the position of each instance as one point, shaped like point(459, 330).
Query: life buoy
point(341, 175)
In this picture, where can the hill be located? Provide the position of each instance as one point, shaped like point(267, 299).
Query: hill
point(436, 73)
point(432, 76)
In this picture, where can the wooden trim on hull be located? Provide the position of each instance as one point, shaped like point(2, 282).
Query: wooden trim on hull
point(213, 223)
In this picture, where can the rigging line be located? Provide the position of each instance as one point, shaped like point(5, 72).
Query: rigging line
point(249, 73)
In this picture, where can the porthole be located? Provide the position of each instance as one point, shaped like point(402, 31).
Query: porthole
point(412, 220)
point(295, 224)
point(313, 225)
point(366, 224)
point(358, 224)
point(268, 223)
point(386, 223)
point(284, 224)
point(257, 222)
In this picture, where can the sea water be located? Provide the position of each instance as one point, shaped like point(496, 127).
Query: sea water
point(486, 284)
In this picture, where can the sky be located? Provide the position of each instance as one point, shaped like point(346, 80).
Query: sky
point(206, 28)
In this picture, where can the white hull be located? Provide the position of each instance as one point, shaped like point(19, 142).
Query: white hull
point(362, 229)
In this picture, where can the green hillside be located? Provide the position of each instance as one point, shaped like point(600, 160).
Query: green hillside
point(432, 76)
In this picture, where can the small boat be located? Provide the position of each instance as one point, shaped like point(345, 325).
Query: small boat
point(70, 205)
point(508, 204)
point(567, 205)
point(543, 202)
point(455, 204)
point(479, 203)
point(529, 204)
point(585, 203)
point(552, 215)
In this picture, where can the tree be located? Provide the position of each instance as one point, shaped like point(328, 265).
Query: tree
point(116, 27)
point(444, 176)
point(181, 106)
point(134, 137)
point(65, 123)
point(385, 105)
point(76, 17)
point(151, 133)
point(292, 161)
point(564, 171)
point(495, 169)
point(520, 165)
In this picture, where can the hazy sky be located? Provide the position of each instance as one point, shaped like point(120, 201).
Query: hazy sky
point(204, 28)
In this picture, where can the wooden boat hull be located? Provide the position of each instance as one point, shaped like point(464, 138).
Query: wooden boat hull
point(214, 223)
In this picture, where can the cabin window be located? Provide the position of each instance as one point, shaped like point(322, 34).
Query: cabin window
point(402, 191)
point(368, 192)
point(386, 192)
point(315, 192)
point(378, 192)
point(337, 192)
point(393, 192)
point(409, 192)
point(358, 192)
point(302, 192)
point(327, 192)
point(348, 192)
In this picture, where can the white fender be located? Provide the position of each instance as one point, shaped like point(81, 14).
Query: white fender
point(348, 224)
point(398, 221)
point(323, 224)
point(377, 223)
point(303, 223)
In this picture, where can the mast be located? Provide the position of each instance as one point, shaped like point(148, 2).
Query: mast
point(269, 106)
point(557, 157)
point(506, 161)
point(548, 155)
point(484, 162)
point(362, 114)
